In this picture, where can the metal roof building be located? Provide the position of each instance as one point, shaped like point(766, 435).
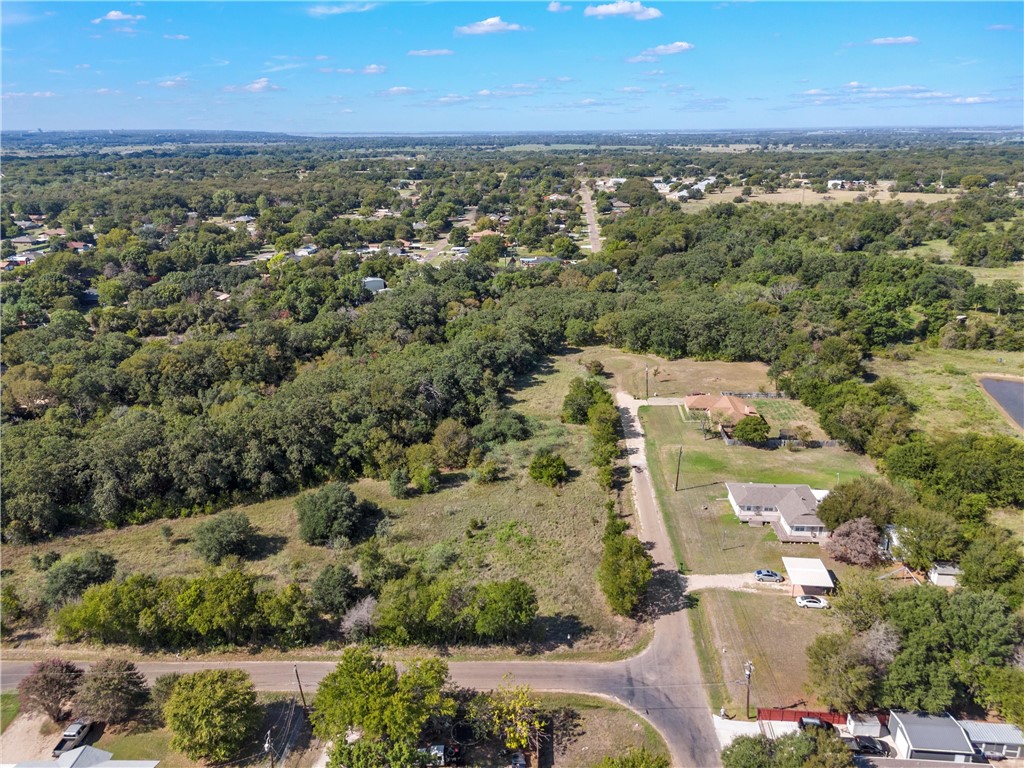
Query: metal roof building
point(1002, 738)
point(919, 736)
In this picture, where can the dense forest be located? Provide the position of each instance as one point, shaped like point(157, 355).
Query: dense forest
point(153, 366)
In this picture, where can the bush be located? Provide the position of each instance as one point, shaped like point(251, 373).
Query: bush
point(229, 533)
point(488, 472)
point(212, 714)
point(160, 694)
point(112, 691)
point(856, 542)
point(69, 578)
point(501, 425)
point(398, 483)
point(334, 590)
point(328, 515)
point(549, 469)
point(452, 444)
point(506, 611)
point(583, 393)
point(48, 687)
point(751, 429)
point(625, 571)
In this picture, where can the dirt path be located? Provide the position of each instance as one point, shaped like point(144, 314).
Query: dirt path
point(23, 741)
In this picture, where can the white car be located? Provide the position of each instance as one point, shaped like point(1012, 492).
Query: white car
point(811, 601)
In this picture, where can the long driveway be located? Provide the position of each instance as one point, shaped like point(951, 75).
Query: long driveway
point(662, 684)
point(590, 212)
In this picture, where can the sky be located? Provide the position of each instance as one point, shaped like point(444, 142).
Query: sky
point(411, 67)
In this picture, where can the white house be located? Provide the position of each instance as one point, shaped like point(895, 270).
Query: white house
point(790, 509)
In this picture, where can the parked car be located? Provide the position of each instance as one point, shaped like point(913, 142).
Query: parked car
point(811, 601)
point(72, 737)
point(813, 722)
point(763, 574)
point(869, 745)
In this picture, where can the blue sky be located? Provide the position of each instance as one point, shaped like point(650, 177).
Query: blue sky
point(479, 66)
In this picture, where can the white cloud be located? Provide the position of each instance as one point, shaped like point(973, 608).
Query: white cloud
point(634, 10)
point(642, 59)
point(931, 95)
point(452, 98)
point(33, 95)
point(668, 50)
point(374, 69)
point(340, 71)
point(106, 92)
point(1000, 28)
point(812, 92)
point(398, 90)
point(321, 57)
point(905, 40)
point(563, 79)
point(633, 89)
point(260, 85)
point(283, 67)
point(489, 26)
point(175, 37)
point(431, 52)
point(118, 16)
point(556, 7)
point(174, 82)
point(967, 100)
point(333, 10)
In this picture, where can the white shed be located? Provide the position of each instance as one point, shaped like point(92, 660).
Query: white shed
point(374, 284)
point(944, 574)
point(808, 573)
point(864, 725)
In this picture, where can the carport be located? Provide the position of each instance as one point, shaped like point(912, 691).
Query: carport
point(809, 574)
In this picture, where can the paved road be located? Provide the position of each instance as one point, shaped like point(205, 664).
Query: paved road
point(591, 215)
point(662, 684)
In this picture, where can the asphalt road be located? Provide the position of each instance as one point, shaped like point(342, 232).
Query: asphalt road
point(662, 684)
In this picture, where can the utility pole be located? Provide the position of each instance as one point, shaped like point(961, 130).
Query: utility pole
point(748, 670)
point(647, 382)
point(679, 462)
point(268, 748)
point(296, 667)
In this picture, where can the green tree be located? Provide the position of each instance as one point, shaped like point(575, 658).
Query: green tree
point(366, 693)
point(625, 571)
point(328, 515)
point(334, 590)
point(748, 752)
point(212, 713)
point(70, 577)
point(112, 691)
point(398, 483)
point(993, 561)
point(862, 497)
point(838, 675)
point(549, 469)
point(452, 444)
point(514, 716)
point(229, 533)
point(751, 429)
point(49, 686)
point(507, 610)
point(459, 236)
point(160, 694)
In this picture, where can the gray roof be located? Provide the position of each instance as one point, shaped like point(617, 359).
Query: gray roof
point(797, 504)
point(992, 733)
point(87, 757)
point(933, 733)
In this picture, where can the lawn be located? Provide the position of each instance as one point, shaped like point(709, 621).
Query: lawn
point(732, 627)
point(9, 706)
point(942, 386)
point(549, 537)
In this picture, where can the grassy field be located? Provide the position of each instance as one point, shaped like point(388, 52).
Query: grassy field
point(808, 197)
point(145, 745)
point(9, 706)
point(550, 538)
point(942, 386)
point(731, 627)
point(943, 251)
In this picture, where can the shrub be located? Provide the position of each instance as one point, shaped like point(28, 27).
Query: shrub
point(398, 483)
point(229, 533)
point(452, 444)
point(488, 472)
point(334, 590)
point(69, 578)
point(160, 693)
point(49, 686)
point(626, 567)
point(549, 469)
point(112, 691)
point(328, 515)
point(751, 429)
point(856, 542)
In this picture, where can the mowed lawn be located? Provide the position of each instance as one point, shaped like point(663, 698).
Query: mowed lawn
point(942, 385)
point(551, 538)
point(765, 627)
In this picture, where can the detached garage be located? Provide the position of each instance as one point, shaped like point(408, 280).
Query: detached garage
point(929, 737)
point(995, 738)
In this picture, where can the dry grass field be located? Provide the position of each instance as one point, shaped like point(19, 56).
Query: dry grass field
point(809, 197)
point(942, 385)
point(550, 538)
point(942, 251)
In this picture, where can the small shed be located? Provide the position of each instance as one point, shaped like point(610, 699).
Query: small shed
point(809, 574)
point(862, 724)
point(995, 738)
point(944, 574)
point(374, 284)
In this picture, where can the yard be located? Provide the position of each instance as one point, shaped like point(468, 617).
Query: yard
point(732, 627)
point(550, 538)
point(942, 385)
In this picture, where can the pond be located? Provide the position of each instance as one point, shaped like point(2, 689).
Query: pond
point(1009, 394)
